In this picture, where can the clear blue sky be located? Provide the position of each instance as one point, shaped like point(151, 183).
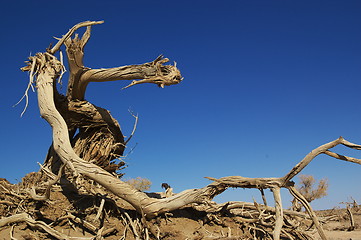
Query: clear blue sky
point(265, 82)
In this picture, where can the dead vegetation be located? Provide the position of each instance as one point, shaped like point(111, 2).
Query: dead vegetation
point(78, 193)
point(308, 188)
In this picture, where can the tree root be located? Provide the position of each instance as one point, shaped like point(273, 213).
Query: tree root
point(37, 197)
point(24, 217)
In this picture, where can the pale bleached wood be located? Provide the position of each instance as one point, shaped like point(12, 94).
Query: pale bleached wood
point(46, 196)
point(279, 213)
point(309, 157)
point(245, 182)
point(13, 219)
point(71, 32)
point(296, 194)
point(342, 157)
point(24, 217)
point(153, 72)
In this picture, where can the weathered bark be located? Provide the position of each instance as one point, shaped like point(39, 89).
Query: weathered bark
point(309, 210)
point(352, 221)
point(279, 213)
point(24, 217)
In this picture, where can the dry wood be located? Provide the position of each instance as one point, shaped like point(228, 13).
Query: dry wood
point(264, 199)
point(352, 221)
point(6, 202)
point(308, 208)
point(24, 217)
point(71, 31)
point(279, 213)
point(37, 197)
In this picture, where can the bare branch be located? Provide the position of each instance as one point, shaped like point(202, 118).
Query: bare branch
point(86, 37)
point(70, 32)
point(350, 144)
point(24, 217)
point(11, 233)
point(153, 72)
point(100, 209)
point(344, 158)
point(279, 213)
point(309, 157)
point(309, 210)
point(134, 127)
point(244, 182)
point(33, 194)
point(161, 79)
point(30, 84)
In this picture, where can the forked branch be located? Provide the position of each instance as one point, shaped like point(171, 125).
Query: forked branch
point(325, 150)
point(71, 32)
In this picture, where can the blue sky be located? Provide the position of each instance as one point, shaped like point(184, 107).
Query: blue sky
point(265, 82)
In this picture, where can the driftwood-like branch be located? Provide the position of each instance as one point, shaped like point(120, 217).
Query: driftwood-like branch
point(309, 210)
point(152, 72)
point(344, 158)
point(309, 157)
point(323, 149)
point(238, 207)
point(24, 217)
point(279, 213)
point(46, 196)
point(80, 76)
point(244, 182)
point(71, 32)
point(134, 128)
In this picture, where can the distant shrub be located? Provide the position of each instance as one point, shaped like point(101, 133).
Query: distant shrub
point(140, 183)
point(308, 187)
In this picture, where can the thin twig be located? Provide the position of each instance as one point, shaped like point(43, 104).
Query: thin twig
point(63, 68)
point(47, 171)
point(263, 196)
point(100, 210)
point(30, 85)
point(131, 223)
point(11, 233)
point(134, 127)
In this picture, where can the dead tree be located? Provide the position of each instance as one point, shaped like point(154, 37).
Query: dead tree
point(87, 139)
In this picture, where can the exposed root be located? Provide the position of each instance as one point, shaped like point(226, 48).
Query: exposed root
point(100, 210)
point(134, 127)
point(37, 197)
